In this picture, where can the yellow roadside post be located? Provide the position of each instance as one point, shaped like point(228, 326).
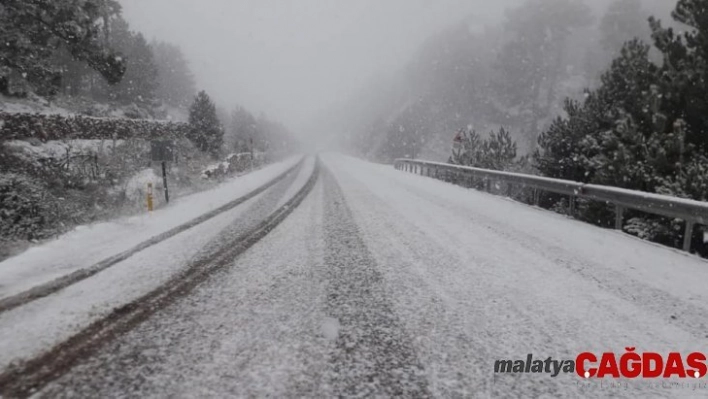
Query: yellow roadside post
point(149, 197)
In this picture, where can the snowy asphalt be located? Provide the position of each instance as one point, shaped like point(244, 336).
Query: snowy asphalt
point(387, 284)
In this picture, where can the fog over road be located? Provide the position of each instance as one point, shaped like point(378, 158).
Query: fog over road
point(382, 283)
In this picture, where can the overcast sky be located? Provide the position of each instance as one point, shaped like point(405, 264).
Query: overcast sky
point(292, 58)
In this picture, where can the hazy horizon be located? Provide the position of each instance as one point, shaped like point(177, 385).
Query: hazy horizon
point(293, 60)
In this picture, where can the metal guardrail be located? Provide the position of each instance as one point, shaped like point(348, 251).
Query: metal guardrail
point(692, 212)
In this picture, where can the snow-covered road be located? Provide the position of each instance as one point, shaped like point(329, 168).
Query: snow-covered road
point(384, 284)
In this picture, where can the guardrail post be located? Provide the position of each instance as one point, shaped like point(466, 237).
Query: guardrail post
point(688, 236)
point(488, 185)
point(509, 190)
point(536, 196)
point(619, 217)
point(572, 205)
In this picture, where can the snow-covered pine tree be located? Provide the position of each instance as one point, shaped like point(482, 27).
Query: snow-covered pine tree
point(206, 130)
point(685, 68)
point(468, 150)
point(645, 127)
point(31, 31)
point(602, 139)
point(497, 152)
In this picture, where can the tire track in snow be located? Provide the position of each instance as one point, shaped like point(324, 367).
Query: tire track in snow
point(251, 330)
point(25, 379)
point(373, 356)
point(58, 284)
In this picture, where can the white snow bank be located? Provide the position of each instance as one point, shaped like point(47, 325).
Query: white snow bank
point(88, 245)
point(51, 320)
